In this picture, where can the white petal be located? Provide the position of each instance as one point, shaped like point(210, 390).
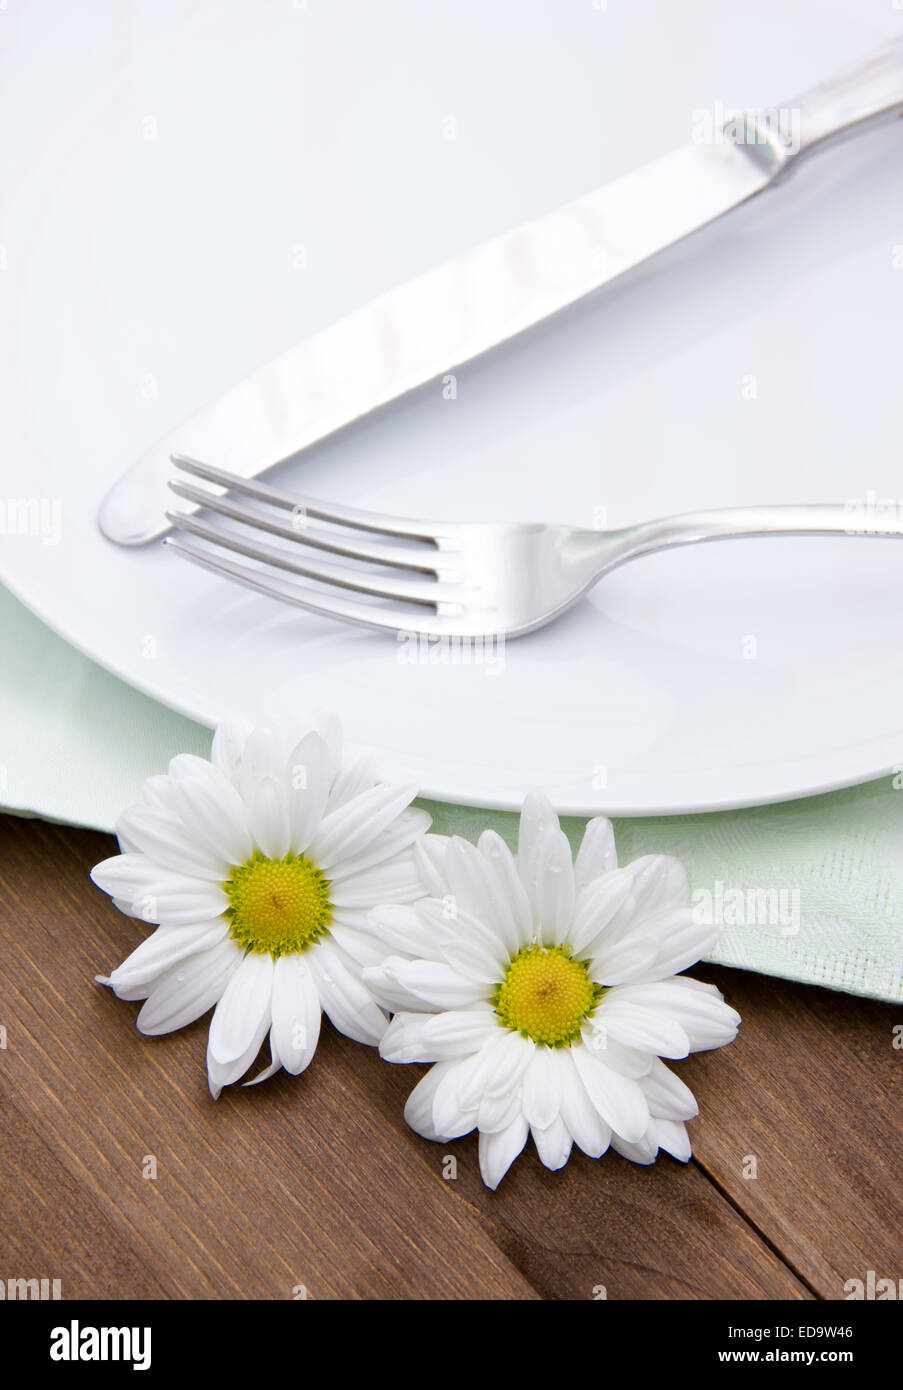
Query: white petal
point(220, 1074)
point(648, 1030)
point(512, 915)
point(394, 882)
point(243, 1012)
point(344, 998)
point(161, 951)
point(128, 875)
point(363, 946)
point(262, 760)
point(155, 894)
point(583, 1120)
point(127, 992)
point(309, 774)
point(450, 925)
point(156, 792)
point(541, 1098)
point(382, 982)
point(658, 888)
point(296, 1012)
point(622, 961)
point(498, 1151)
point(669, 1098)
point(401, 929)
point(189, 989)
point(472, 958)
point(643, 1150)
point(597, 854)
point(268, 816)
point(268, 1071)
point(550, 885)
point(485, 887)
point(629, 1061)
point(228, 745)
point(497, 1112)
point(597, 906)
point(464, 874)
point(672, 1136)
point(126, 907)
point(350, 829)
point(328, 725)
point(497, 1068)
point(211, 808)
point(683, 944)
point(707, 1021)
point(430, 856)
point(450, 1119)
point(399, 836)
point(355, 776)
point(164, 839)
point(418, 1111)
point(176, 901)
point(553, 1144)
point(432, 982)
point(537, 818)
point(660, 884)
point(414, 1037)
point(618, 1099)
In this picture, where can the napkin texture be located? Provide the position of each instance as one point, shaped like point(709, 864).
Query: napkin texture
point(809, 890)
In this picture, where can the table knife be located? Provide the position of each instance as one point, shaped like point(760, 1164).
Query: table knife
point(448, 315)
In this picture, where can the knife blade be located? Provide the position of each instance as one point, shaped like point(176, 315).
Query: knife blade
point(455, 312)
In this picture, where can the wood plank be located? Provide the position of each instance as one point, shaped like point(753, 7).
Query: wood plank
point(52, 1230)
point(662, 1232)
point(812, 1089)
point(296, 1183)
point(312, 1181)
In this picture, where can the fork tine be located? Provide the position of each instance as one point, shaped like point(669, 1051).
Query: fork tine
point(395, 587)
point(323, 511)
point(348, 610)
point(374, 552)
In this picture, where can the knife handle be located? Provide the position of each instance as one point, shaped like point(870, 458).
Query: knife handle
point(867, 91)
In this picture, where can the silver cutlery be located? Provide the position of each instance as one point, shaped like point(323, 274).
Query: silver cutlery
point(445, 578)
point(453, 313)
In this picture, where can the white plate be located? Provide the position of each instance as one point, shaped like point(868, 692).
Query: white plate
point(190, 188)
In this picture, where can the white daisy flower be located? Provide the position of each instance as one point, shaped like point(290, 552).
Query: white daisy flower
point(546, 991)
point(260, 868)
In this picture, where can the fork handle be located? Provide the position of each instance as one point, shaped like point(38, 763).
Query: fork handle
point(869, 516)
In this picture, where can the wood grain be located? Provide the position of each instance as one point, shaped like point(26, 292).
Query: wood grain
point(813, 1091)
point(314, 1185)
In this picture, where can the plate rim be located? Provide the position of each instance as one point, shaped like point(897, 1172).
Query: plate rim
point(578, 809)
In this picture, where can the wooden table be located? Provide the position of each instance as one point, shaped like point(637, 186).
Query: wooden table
point(313, 1186)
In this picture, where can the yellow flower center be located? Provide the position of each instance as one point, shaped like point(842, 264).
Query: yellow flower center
point(546, 995)
point(278, 906)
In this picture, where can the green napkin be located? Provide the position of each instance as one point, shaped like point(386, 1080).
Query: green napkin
point(810, 890)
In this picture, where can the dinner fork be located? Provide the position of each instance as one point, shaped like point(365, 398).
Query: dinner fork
point(450, 578)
